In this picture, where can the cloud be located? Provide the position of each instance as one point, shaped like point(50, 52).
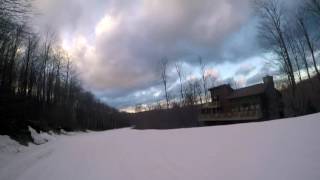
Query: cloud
point(266, 69)
point(245, 70)
point(105, 25)
point(212, 73)
point(117, 44)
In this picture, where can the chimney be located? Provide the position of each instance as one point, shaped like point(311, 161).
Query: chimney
point(268, 81)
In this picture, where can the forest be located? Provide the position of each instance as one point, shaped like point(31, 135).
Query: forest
point(38, 82)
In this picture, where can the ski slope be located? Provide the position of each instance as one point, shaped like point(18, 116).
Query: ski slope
point(281, 150)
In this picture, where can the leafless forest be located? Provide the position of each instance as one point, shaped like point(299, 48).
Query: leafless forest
point(38, 83)
point(293, 39)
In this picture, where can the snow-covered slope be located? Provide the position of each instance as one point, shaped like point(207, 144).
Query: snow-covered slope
point(280, 150)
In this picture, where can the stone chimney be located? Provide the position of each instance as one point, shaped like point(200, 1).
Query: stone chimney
point(268, 81)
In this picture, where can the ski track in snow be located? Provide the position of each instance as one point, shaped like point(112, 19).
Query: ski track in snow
point(281, 150)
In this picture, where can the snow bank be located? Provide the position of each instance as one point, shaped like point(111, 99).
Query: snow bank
point(285, 149)
point(7, 145)
point(42, 137)
point(9, 148)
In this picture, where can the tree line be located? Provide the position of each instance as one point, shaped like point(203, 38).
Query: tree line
point(191, 91)
point(178, 107)
point(38, 81)
point(293, 39)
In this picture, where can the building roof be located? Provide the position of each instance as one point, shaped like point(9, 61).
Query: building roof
point(248, 91)
point(221, 86)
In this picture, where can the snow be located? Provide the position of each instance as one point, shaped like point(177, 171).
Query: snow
point(282, 149)
point(8, 145)
point(40, 138)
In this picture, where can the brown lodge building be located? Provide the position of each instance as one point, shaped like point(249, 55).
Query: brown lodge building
point(252, 103)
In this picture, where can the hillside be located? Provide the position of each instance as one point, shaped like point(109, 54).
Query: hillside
point(283, 149)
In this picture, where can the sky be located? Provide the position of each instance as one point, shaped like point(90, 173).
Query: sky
point(117, 45)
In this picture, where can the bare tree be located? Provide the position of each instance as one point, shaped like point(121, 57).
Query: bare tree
point(272, 33)
point(309, 42)
point(138, 108)
point(204, 79)
point(32, 43)
point(303, 55)
point(293, 49)
point(164, 78)
point(179, 72)
point(197, 90)
point(45, 58)
point(67, 79)
point(190, 93)
point(313, 6)
point(59, 56)
point(8, 57)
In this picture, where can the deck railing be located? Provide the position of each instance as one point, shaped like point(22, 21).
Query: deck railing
point(244, 115)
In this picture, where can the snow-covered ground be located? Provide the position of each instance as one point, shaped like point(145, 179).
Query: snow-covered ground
point(280, 150)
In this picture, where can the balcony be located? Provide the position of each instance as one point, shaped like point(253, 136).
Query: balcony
point(249, 115)
point(211, 105)
point(215, 104)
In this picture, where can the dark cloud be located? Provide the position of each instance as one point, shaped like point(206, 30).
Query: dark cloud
point(117, 44)
point(266, 69)
point(245, 70)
